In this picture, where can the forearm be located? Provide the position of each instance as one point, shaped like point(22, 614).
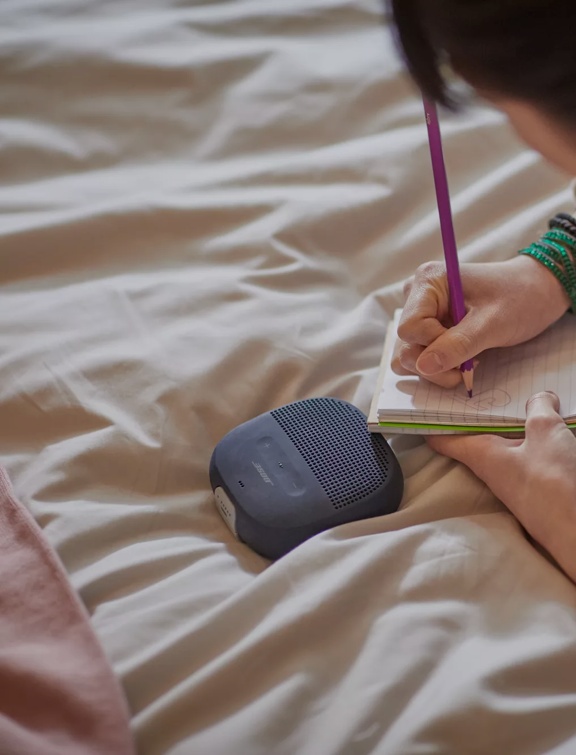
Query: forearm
point(546, 508)
point(560, 539)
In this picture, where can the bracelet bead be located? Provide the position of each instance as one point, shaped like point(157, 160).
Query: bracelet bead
point(556, 250)
point(565, 222)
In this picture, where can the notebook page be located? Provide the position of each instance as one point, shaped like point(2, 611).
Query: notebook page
point(503, 382)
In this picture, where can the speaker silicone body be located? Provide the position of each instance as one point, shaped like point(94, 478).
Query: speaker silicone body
point(306, 467)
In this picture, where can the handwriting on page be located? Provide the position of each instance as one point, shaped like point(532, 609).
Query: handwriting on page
point(493, 398)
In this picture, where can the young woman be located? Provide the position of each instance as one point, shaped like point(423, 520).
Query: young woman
point(519, 55)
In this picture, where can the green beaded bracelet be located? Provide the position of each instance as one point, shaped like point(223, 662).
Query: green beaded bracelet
point(556, 250)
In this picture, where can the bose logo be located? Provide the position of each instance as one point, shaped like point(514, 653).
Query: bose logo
point(260, 469)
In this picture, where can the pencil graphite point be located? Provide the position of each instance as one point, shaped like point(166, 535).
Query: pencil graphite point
point(468, 378)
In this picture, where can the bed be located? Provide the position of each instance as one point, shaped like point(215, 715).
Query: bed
point(208, 209)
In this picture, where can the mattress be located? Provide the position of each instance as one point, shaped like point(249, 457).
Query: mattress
point(208, 210)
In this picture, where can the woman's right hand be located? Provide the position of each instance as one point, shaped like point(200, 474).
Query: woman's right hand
point(507, 303)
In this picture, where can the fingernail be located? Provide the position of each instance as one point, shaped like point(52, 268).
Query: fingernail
point(542, 394)
point(555, 400)
point(429, 364)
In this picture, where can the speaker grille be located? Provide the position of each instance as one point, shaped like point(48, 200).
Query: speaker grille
point(348, 470)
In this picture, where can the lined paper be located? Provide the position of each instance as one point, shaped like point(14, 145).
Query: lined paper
point(503, 382)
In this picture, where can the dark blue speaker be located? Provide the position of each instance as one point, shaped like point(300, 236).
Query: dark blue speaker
point(293, 472)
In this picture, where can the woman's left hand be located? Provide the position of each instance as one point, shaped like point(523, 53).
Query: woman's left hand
point(534, 477)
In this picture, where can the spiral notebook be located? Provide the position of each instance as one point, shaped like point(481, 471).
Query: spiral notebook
point(503, 381)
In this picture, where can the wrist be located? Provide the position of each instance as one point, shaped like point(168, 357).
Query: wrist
point(541, 286)
point(556, 252)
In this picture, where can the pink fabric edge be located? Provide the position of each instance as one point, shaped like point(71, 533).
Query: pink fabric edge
point(115, 736)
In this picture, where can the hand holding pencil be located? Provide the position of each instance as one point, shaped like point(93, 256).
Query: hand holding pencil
point(508, 302)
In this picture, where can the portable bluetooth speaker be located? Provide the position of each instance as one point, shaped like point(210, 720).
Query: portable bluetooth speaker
point(295, 471)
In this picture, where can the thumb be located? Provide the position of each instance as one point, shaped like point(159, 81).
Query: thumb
point(451, 349)
point(542, 414)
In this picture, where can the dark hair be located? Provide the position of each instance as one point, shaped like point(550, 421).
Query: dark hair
point(524, 49)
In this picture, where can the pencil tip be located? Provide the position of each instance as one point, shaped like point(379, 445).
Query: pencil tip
point(468, 378)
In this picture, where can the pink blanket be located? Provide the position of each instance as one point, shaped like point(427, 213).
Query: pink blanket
point(58, 694)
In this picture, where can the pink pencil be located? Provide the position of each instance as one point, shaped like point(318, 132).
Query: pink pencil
point(457, 306)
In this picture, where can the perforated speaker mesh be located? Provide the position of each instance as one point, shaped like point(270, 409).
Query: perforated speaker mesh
point(348, 461)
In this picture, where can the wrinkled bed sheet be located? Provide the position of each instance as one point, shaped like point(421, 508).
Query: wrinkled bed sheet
point(207, 210)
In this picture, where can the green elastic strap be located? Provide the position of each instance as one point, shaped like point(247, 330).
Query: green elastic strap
point(551, 251)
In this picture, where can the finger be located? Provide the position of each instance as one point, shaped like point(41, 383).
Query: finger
point(407, 288)
point(399, 369)
point(452, 348)
point(545, 403)
point(450, 379)
point(419, 330)
point(542, 416)
point(399, 360)
point(407, 356)
point(404, 363)
point(426, 306)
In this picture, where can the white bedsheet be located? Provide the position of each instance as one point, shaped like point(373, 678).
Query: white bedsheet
point(207, 209)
